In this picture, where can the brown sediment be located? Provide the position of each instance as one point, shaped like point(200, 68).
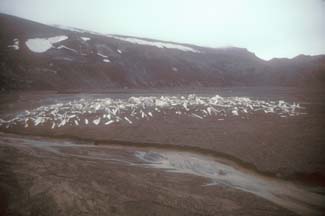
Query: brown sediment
point(316, 179)
point(313, 179)
point(284, 193)
point(87, 181)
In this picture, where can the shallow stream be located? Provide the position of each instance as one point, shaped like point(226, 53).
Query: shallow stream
point(301, 199)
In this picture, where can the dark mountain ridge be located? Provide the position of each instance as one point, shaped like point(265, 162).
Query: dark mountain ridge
point(33, 57)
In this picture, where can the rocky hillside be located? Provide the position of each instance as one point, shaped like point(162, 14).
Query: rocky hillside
point(35, 56)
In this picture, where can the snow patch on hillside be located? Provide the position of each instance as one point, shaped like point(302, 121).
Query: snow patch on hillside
point(102, 55)
point(15, 46)
point(85, 38)
point(105, 57)
point(41, 45)
point(132, 40)
point(57, 39)
point(67, 48)
point(156, 44)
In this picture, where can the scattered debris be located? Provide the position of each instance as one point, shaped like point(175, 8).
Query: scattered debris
point(134, 109)
point(96, 121)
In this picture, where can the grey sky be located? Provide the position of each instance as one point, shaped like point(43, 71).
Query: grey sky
point(269, 28)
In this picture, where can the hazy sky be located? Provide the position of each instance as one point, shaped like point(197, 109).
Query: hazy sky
point(269, 28)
